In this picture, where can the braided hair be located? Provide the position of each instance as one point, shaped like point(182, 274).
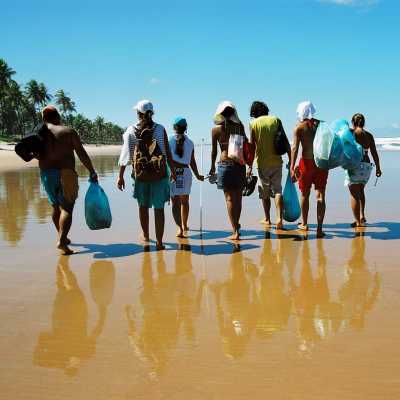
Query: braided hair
point(358, 120)
point(258, 108)
point(180, 139)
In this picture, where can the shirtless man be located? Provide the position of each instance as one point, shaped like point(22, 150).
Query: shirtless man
point(57, 172)
point(308, 173)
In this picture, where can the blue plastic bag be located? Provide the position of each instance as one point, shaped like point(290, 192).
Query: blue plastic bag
point(328, 148)
point(352, 151)
point(291, 204)
point(97, 208)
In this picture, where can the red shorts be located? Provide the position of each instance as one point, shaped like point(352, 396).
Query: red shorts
point(310, 174)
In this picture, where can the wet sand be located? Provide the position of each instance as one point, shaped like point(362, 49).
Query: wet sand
point(280, 315)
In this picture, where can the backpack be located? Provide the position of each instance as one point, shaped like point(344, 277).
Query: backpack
point(281, 142)
point(149, 162)
point(31, 146)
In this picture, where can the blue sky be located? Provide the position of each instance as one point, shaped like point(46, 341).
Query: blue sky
point(186, 56)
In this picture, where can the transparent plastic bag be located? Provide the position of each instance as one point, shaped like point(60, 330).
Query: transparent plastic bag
point(291, 204)
point(235, 148)
point(328, 149)
point(97, 208)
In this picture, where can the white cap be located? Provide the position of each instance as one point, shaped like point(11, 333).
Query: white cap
point(218, 117)
point(305, 110)
point(143, 106)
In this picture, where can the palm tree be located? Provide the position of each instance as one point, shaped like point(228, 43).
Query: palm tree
point(45, 96)
point(32, 89)
point(5, 72)
point(64, 101)
point(99, 125)
point(5, 80)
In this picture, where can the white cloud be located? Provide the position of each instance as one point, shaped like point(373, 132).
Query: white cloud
point(154, 81)
point(352, 3)
point(396, 125)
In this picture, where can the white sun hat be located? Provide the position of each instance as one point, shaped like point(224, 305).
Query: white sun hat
point(143, 106)
point(305, 110)
point(219, 118)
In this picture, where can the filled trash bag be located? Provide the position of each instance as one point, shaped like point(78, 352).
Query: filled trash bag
point(97, 208)
point(352, 151)
point(328, 148)
point(291, 204)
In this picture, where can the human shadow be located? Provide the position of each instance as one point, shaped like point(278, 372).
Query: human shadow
point(222, 247)
point(112, 250)
point(119, 250)
point(389, 230)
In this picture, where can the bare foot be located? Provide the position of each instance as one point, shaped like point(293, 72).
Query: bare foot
point(180, 233)
point(234, 236)
point(320, 234)
point(279, 225)
point(186, 229)
point(302, 227)
point(65, 250)
point(160, 246)
point(364, 220)
point(266, 222)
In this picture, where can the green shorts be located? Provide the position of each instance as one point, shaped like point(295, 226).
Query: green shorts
point(152, 194)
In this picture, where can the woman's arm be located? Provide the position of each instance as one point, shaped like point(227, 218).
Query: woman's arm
point(375, 155)
point(124, 158)
point(169, 156)
point(214, 148)
point(193, 165)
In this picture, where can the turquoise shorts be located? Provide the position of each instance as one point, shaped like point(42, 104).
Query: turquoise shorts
point(152, 194)
point(61, 186)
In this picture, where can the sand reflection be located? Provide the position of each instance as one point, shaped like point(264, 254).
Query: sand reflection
point(68, 344)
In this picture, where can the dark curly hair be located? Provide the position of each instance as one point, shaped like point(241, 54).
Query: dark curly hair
point(258, 108)
point(358, 120)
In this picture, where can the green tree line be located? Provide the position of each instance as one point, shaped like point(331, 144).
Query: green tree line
point(20, 107)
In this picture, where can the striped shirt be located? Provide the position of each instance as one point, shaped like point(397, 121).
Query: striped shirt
point(130, 142)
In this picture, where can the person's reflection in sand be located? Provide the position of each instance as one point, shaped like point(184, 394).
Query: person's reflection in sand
point(156, 336)
point(68, 344)
point(188, 293)
point(235, 304)
point(273, 296)
point(317, 315)
point(361, 288)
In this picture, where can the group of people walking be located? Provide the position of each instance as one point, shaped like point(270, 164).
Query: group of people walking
point(163, 167)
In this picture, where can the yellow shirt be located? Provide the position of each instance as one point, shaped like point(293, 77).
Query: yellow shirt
point(265, 128)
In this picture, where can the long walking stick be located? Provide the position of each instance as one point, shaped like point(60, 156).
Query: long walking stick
point(201, 186)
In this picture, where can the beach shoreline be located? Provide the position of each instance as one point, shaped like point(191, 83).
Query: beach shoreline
point(9, 160)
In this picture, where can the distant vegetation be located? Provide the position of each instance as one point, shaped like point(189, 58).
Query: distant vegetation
point(20, 107)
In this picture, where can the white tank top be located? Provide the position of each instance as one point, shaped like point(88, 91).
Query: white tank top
point(188, 147)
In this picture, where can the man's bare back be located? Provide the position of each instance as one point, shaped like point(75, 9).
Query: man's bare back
point(305, 133)
point(60, 144)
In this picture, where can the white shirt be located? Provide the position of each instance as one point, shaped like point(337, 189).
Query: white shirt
point(130, 141)
point(188, 147)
